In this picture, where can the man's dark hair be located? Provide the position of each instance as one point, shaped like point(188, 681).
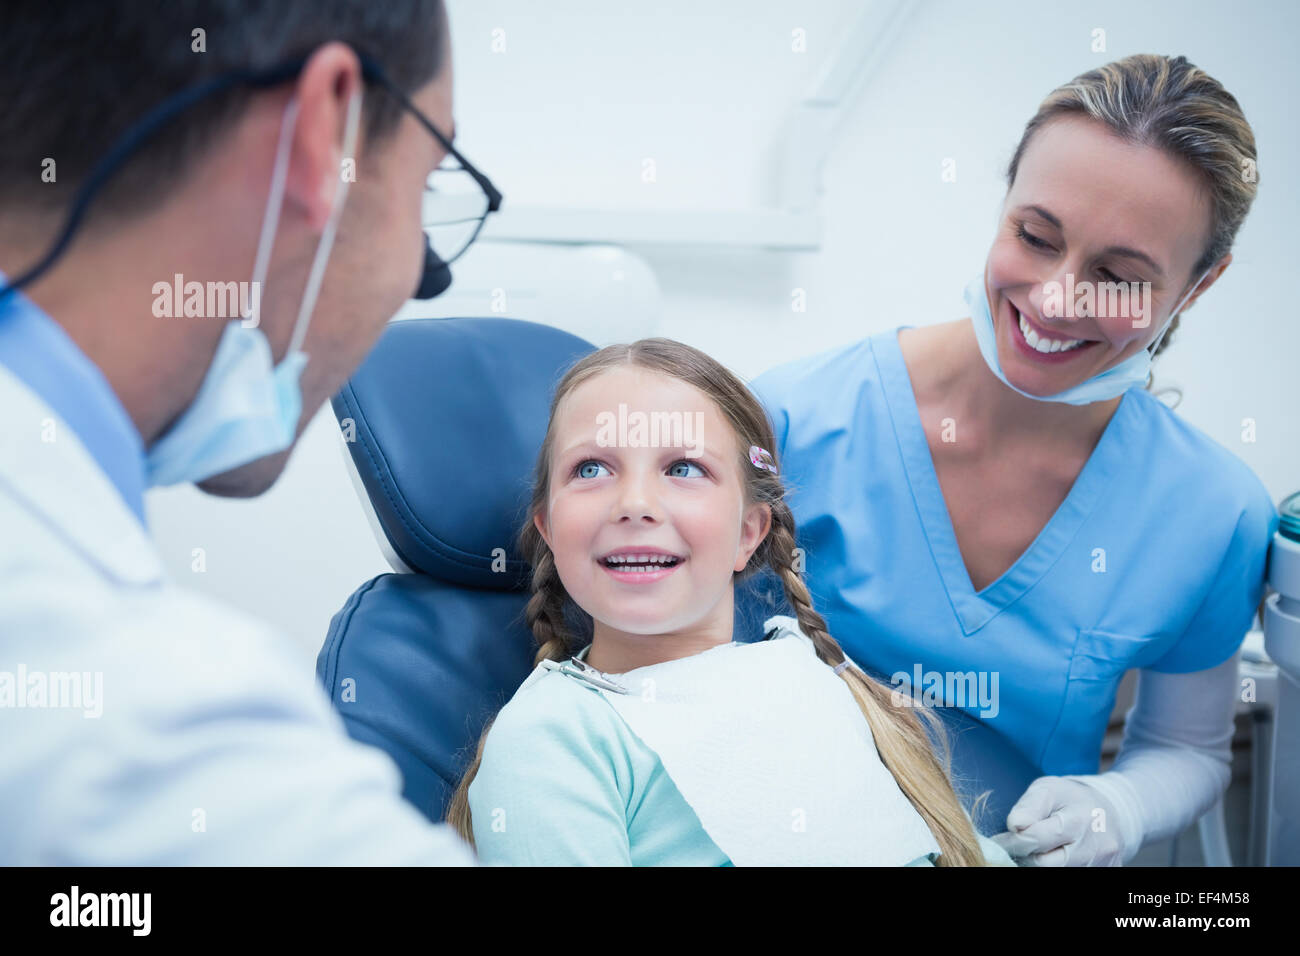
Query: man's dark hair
point(75, 75)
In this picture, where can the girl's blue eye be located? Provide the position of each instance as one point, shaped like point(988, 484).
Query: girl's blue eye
point(582, 472)
point(689, 464)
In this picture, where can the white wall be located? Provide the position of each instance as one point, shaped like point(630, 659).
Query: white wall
point(588, 89)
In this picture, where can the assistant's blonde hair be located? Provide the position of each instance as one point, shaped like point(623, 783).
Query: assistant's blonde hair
point(1171, 105)
point(899, 734)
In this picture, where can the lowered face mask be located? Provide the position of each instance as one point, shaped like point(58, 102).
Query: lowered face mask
point(1114, 381)
point(245, 408)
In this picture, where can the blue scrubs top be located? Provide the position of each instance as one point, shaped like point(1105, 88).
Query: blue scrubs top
point(1154, 560)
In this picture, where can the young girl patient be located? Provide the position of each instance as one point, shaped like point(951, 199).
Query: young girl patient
point(663, 741)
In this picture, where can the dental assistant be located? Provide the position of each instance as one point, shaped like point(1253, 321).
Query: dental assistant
point(208, 740)
point(1000, 494)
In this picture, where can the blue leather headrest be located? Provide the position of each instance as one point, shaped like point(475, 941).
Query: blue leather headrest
point(440, 397)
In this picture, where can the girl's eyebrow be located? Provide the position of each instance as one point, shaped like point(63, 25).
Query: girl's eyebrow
point(680, 450)
point(577, 446)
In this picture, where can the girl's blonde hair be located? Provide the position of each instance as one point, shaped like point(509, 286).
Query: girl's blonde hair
point(1169, 104)
point(899, 735)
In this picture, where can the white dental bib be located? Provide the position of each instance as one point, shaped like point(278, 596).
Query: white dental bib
point(770, 749)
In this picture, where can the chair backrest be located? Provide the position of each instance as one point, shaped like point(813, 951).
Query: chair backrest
point(444, 420)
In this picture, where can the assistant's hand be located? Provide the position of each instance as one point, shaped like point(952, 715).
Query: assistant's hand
point(1060, 822)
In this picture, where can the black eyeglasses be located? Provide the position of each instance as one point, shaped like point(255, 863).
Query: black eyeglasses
point(436, 276)
point(457, 198)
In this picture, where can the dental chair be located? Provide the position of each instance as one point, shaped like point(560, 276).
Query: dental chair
point(442, 425)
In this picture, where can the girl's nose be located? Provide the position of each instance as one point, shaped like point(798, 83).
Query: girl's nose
point(636, 500)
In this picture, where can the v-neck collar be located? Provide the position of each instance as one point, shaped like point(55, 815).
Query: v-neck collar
point(974, 608)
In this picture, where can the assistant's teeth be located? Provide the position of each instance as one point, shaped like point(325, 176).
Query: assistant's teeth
point(1045, 345)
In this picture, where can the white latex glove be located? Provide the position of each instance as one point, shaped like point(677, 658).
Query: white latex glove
point(1063, 822)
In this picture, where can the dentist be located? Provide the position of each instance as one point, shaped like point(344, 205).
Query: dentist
point(1000, 495)
point(220, 142)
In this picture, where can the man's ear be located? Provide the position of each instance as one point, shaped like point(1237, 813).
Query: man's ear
point(753, 530)
point(327, 84)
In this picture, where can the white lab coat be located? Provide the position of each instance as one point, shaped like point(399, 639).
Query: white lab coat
point(216, 744)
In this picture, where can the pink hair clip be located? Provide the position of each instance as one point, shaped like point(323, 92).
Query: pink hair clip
point(756, 456)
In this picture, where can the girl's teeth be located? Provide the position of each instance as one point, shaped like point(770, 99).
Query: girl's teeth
point(640, 562)
point(1041, 344)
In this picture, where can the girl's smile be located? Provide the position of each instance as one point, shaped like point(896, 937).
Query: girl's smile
point(640, 565)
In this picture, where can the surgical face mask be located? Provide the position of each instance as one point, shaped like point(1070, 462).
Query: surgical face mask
point(1132, 371)
point(246, 409)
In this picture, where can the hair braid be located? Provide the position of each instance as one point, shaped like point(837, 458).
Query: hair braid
point(545, 611)
point(899, 735)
